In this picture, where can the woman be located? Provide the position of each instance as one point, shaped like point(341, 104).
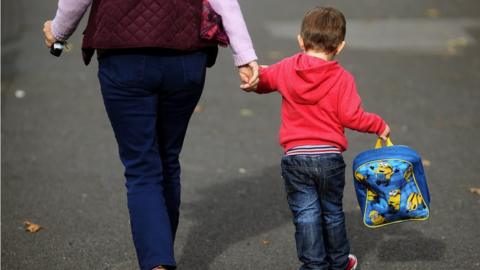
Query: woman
point(152, 66)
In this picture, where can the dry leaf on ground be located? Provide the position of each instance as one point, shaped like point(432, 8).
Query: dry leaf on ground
point(426, 163)
point(265, 242)
point(198, 109)
point(475, 190)
point(432, 13)
point(32, 227)
point(455, 43)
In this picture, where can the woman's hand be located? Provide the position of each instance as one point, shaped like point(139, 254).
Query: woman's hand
point(249, 76)
point(47, 31)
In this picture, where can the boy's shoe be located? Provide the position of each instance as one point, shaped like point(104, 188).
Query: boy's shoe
point(352, 262)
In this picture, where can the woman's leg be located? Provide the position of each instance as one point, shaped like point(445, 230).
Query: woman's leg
point(181, 89)
point(132, 109)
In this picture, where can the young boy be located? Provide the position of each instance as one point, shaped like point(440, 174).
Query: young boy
point(319, 100)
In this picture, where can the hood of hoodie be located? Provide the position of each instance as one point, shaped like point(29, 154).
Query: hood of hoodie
point(313, 79)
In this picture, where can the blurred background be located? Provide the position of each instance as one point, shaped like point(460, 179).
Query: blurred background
point(416, 64)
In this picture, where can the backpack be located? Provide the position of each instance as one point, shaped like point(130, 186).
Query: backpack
point(390, 185)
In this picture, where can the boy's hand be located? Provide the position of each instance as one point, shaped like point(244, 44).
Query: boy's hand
point(385, 133)
point(249, 76)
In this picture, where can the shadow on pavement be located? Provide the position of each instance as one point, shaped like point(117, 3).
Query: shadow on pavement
point(231, 212)
point(242, 208)
point(394, 243)
point(410, 245)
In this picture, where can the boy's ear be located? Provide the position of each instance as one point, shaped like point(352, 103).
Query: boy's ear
point(340, 47)
point(300, 42)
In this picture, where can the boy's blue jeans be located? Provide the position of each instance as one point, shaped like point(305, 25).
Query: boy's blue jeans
point(314, 185)
point(149, 97)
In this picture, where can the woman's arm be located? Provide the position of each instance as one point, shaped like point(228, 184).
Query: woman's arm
point(69, 14)
point(234, 24)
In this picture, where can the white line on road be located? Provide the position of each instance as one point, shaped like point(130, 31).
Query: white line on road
point(418, 35)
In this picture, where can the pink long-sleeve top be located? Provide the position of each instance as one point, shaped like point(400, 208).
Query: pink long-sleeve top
point(70, 12)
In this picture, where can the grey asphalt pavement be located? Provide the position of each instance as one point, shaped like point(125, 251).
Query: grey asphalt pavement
point(416, 63)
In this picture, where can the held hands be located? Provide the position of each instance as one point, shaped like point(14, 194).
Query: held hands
point(47, 31)
point(249, 76)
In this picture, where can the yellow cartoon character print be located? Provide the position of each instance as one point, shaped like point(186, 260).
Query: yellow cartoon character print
point(360, 177)
point(413, 201)
point(376, 218)
point(408, 173)
point(371, 195)
point(386, 170)
point(394, 199)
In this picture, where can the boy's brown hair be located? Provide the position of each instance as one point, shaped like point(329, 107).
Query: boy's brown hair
point(323, 28)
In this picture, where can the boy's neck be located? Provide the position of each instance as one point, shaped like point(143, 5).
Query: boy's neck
point(320, 54)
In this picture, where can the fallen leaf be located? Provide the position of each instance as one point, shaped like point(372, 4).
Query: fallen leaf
point(265, 242)
point(198, 109)
point(432, 12)
point(32, 227)
point(426, 163)
point(455, 43)
point(475, 190)
point(246, 112)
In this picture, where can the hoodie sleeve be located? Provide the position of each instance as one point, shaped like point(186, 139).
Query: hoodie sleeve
point(353, 116)
point(268, 79)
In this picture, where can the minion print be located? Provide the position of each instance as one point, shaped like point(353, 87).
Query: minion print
point(384, 173)
point(408, 173)
point(372, 196)
point(388, 192)
point(394, 200)
point(360, 177)
point(376, 218)
point(414, 200)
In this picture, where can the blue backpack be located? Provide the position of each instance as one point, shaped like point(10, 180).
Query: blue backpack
point(390, 185)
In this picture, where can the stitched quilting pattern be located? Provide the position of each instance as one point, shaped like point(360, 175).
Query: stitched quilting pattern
point(145, 23)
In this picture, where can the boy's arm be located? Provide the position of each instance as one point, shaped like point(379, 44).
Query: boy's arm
point(268, 79)
point(353, 116)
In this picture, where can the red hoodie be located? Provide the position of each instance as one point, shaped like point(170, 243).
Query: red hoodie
point(319, 99)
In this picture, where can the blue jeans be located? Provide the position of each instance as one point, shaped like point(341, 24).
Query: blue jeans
point(314, 185)
point(149, 97)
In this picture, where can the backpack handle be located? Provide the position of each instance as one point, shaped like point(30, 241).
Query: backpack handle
point(379, 143)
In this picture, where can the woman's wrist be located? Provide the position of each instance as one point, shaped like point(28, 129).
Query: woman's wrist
point(245, 57)
point(56, 33)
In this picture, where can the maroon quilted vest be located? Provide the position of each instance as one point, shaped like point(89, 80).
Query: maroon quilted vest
point(173, 24)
